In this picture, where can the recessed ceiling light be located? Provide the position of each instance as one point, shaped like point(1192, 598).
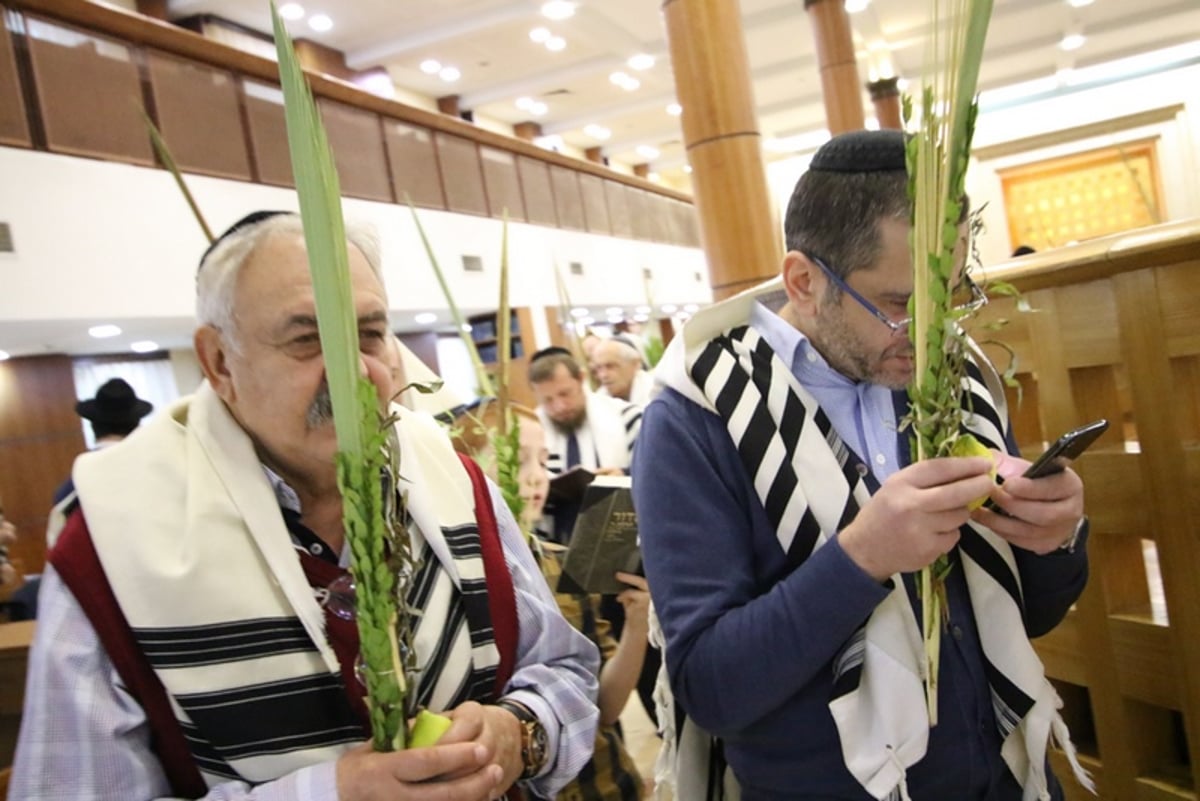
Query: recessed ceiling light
point(668, 308)
point(431, 66)
point(643, 309)
point(625, 81)
point(674, 109)
point(579, 311)
point(466, 328)
point(539, 109)
point(687, 168)
point(3, 355)
point(143, 346)
point(558, 9)
point(597, 131)
point(642, 61)
point(647, 152)
point(691, 308)
point(425, 318)
point(556, 43)
point(449, 74)
point(525, 103)
point(292, 11)
point(539, 34)
point(655, 177)
point(641, 318)
point(104, 331)
point(551, 142)
point(1079, 3)
point(1072, 41)
point(855, 6)
point(586, 320)
point(320, 22)
point(614, 311)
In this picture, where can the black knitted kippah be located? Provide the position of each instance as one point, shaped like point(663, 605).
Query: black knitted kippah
point(861, 151)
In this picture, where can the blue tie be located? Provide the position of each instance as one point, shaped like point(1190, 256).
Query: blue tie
point(572, 451)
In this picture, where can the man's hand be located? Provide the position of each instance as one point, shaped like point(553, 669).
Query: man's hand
point(915, 515)
point(419, 774)
point(636, 601)
point(494, 728)
point(609, 471)
point(1041, 513)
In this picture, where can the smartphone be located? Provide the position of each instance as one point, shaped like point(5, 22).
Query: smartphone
point(1068, 448)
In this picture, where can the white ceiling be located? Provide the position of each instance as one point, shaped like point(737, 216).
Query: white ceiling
point(488, 41)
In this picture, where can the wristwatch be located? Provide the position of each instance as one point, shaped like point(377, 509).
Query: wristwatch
point(534, 744)
point(1073, 540)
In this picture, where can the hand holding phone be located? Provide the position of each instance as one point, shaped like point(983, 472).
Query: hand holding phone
point(1067, 448)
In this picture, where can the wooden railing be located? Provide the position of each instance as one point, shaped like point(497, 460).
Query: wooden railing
point(1114, 332)
point(74, 76)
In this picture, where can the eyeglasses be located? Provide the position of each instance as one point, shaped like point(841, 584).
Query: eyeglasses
point(978, 299)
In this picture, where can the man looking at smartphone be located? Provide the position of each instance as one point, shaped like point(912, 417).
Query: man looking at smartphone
point(783, 582)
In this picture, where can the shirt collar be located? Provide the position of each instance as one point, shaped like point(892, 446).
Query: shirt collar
point(797, 351)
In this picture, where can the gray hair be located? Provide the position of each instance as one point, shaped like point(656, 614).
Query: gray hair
point(217, 275)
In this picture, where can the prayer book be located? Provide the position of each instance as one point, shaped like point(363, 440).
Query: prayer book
point(568, 487)
point(604, 539)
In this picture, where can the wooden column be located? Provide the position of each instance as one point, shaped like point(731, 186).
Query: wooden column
point(839, 69)
point(642, 170)
point(720, 132)
point(886, 97)
point(595, 154)
point(156, 9)
point(449, 105)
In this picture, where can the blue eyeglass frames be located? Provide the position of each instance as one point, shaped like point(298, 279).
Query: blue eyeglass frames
point(978, 298)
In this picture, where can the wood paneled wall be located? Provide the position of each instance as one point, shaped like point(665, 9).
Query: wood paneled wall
point(1114, 332)
point(75, 75)
point(40, 436)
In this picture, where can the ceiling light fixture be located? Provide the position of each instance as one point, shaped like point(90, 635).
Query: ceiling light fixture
point(687, 168)
point(614, 311)
point(598, 132)
point(674, 109)
point(556, 43)
point(647, 152)
point(424, 318)
point(856, 6)
point(525, 103)
point(104, 331)
point(641, 318)
point(654, 177)
point(1079, 3)
point(539, 109)
point(431, 66)
point(1072, 41)
point(579, 311)
point(539, 34)
point(3, 355)
point(143, 346)
point(558, 9)
point(668, 308)
point(320, 23)
point(552, 142)
point(691, 308)
point(642, 61)
point(291, 11)
point(625, 81)
point(466, 328)
point(643, 309)
point(449, 74)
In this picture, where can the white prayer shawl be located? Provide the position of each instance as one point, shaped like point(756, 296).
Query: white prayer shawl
point(183, 510)
point(882, 722)
point(605, 438)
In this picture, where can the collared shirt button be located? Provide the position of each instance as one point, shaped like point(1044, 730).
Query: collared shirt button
point(315, 549)
point(811, 356)
point(957, 632)
point(880, 459)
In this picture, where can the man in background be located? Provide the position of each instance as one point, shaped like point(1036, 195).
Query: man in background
point(113, 414)
point(618, 365)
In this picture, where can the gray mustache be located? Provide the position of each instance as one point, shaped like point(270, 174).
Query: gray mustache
point(320, 411)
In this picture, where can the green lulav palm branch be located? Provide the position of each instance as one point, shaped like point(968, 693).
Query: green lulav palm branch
point(937, 154)
point(368, 455)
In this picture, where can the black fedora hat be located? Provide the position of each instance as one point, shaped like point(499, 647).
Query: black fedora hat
point(115, 403)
